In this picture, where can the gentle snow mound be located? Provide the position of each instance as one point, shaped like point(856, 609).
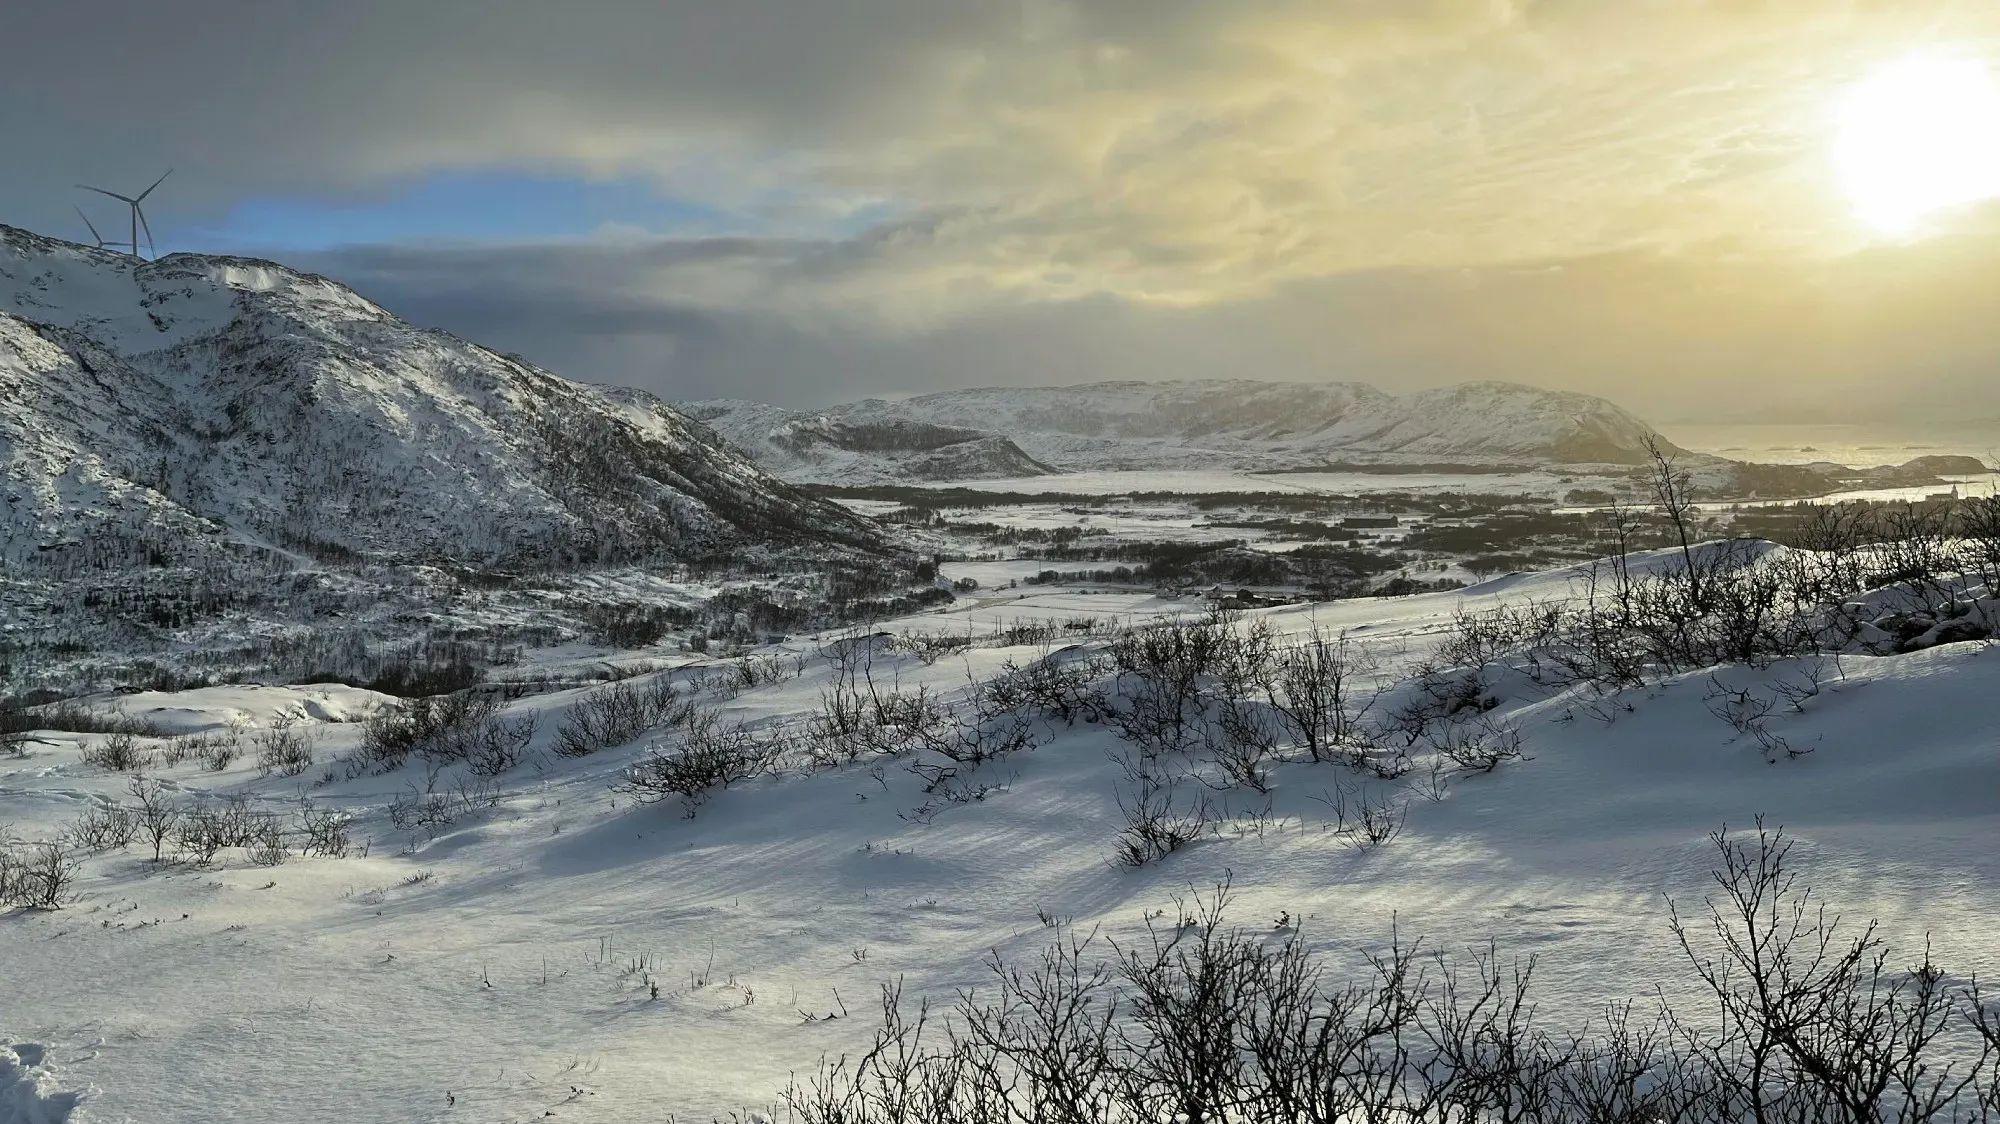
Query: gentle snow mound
point(246, 706)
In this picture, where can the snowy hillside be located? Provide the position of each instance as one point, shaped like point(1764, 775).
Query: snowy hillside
point(1237, 424)
point(834, 448)
point(151, 413)
point(439, 933)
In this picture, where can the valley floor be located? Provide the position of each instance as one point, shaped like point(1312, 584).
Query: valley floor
point(501, 967)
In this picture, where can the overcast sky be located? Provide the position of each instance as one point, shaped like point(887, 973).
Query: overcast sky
point(805, 201)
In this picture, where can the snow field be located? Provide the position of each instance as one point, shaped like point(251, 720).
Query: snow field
point(502, 969)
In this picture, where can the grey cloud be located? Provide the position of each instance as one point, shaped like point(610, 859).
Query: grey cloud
point(1672, 338)
point(1085, 188)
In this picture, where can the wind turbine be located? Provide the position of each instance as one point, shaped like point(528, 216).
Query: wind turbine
point(138, 216)
point(93, 228)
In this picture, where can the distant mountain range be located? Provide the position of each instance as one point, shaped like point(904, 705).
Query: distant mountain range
point(153, 413)
point(1235, 424)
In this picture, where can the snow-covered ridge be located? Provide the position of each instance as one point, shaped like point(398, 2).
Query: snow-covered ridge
point(151, 409)
point(1239, 424)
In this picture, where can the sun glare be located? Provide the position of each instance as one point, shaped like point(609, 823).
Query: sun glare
point(1918, 136)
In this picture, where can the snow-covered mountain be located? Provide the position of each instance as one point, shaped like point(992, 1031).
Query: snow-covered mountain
point(1003, 432)
point(854, 445)
point(152, 411)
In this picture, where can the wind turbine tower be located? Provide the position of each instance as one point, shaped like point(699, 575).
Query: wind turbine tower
point(138, 215)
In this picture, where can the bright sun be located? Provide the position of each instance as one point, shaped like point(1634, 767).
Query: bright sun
point(1919, 136)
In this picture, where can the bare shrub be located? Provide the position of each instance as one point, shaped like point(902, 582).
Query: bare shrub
point(1673, 490)
point(267, 843)
point(1479, 746)
point(838, 732)
point(215, 751)
point(119, 752)
point(42, 878)
point(200, 835)
point(179, 750)
point(976, 732)
point(496, 745)
point(1914, 547)
point(1479, 639)
point(709, 757)
point(104, 827)
point(221, 752)
point(433, 811)
point(1162, 668)
point(895, 719)
point(1318, 694)
point(284, 749)
point(1721, 603)
point(1816, 1024)
point(1244, 757)
point(69, 717)
point(1059, 685)
point(1979, 531)
point(1435, 696)
point(465, 726)
point(326, 831)
point(1161, 817)
point(857, 718)
point(752, 672)
point(618, 715)
point(929, 647)
point(1362, 819)
point(158, 816)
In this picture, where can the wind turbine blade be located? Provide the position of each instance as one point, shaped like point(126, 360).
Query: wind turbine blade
point(91, 225)
point(156, 183)
point(148, 227)
point(101, 191)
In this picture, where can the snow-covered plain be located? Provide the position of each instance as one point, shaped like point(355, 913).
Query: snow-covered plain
point(501, 969)
point(1549, 483)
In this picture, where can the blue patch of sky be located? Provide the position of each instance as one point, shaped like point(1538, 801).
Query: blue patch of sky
point(498, 207)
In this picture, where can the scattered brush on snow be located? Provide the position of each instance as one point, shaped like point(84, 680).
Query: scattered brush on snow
point(37, 877)
point(706, 758)
point(1205, 1022)
point(1060, 686)
point(1863, 578)
point(461, 727)
point(198, 831)
point(619, 715)
point(326, 831)
point(431, 810)
point(284, 749)
point(119, 753)
point(104, 827)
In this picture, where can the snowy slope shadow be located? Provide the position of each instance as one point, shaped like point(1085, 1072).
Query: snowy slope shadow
point(29, 1092)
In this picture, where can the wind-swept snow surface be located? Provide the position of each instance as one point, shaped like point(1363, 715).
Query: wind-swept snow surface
point(537, 945)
